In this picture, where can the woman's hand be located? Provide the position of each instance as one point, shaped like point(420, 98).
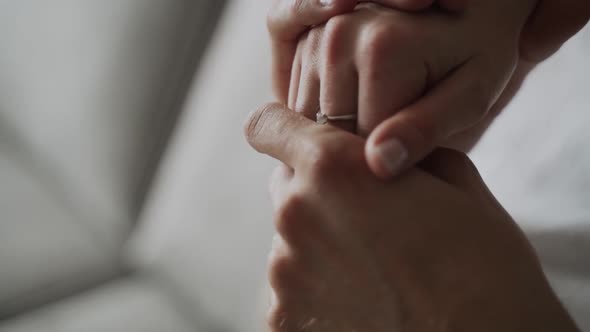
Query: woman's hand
point(289, 19)
point(432, 251)
point(416, 80)
point(551, 24)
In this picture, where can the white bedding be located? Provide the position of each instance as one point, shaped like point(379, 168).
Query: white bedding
point(536, 159)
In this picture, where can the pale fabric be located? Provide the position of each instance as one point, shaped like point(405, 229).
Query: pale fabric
point(208, 226)
point(89, 91)
point(536, 159)
point(130, 305)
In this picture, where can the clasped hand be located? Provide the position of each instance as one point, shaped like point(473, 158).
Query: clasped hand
point(431, 251)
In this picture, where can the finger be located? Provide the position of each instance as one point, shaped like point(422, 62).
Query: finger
point(308, 95)
point(339, 96)
point(295, 78)
point(390, 76)
point(280, 133)
point(287, 20)
point(386, 89)
point(455, 104)
point(308, 100)
point(339, 88)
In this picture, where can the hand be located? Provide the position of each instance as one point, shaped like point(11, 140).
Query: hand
point(432, 251)
point(552, 23)
point(420, 80)
point(289, 19)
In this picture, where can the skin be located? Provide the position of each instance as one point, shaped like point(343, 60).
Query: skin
point(436, 118)
point(358, 254)
point(408, 73)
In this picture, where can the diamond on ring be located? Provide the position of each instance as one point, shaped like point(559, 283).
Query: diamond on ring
point(321, 118)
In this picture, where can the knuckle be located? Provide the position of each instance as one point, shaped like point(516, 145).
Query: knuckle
point(377, 43)
point(282, 275)
point(335, 38)
point(324, 158)
point(296, 7)
point(289, 220)
point(278, 318)
point(331, 155)
point(381, 39)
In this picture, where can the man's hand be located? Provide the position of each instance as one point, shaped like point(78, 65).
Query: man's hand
point(432, 251)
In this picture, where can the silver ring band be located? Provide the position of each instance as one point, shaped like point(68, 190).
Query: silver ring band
point(322, 118)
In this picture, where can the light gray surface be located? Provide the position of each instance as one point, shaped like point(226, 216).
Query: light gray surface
point(131, 305)
point(88, 93)
point(536, 159)
point(209, 224)
point(92, 71)
point(41, 243)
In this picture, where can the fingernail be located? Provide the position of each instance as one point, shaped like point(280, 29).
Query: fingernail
point(392, 155)
point(326, 3)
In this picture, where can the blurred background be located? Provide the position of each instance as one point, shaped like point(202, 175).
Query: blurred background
point(130, 202)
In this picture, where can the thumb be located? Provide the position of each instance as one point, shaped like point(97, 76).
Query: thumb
point(455, 104)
